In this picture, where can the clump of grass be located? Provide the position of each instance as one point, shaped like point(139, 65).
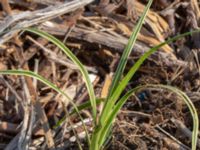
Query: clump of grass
point(102, 122)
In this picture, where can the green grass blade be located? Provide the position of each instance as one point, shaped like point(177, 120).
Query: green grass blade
point(105, 128)
point(128, 49)
point(46, 82)
point(81, 107)
point(86, 105)
point(107, 125)
point(84, 72)
point(191, 107)
point(136, 66)
point(123, 61)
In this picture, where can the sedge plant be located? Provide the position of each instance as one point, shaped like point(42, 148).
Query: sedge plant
point(102, 122)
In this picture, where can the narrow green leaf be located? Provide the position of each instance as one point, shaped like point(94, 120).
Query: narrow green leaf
point(84, 72)
point(133, 69)
point(120, 69)
point(86, 105)
point(46, 82)
point(189, 104)
point(106, 126)
point(81, 107)
point(123, 61)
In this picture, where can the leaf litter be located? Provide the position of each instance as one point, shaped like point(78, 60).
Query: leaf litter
point(96, 32)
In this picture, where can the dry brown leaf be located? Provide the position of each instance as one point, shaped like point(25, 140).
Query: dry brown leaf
point(146, 39)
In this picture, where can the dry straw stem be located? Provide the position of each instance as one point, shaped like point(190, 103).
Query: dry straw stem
point(27, 18)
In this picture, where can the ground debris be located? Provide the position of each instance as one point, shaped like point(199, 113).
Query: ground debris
point(97, 31)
